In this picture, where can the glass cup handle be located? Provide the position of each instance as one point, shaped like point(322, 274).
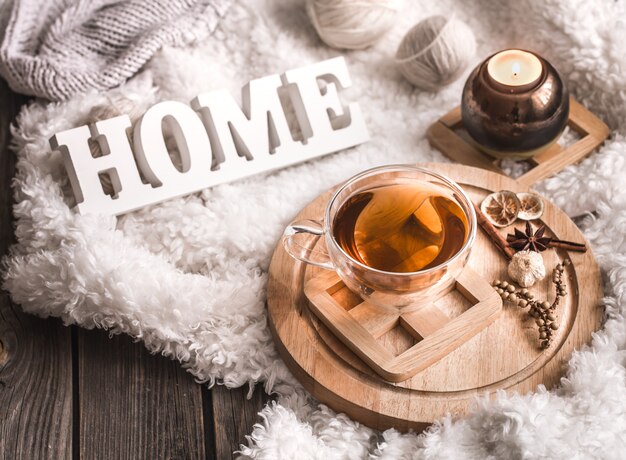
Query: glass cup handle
point(299, 241)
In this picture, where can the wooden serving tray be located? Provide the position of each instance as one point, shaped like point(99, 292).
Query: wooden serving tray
point(503, 356)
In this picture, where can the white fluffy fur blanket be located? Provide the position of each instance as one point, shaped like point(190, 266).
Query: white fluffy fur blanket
point(188, 276)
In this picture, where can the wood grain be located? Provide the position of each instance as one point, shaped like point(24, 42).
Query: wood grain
point(446, 140)
point(134, 404)
point(234, 415)
point(585, 122)
point(504, 355)
point(437, 334)
point(376, 321)
point(425, 321)
point(35, 354)
point(570, 155)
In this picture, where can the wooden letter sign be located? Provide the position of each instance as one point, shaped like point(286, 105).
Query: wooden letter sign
point(217, 140)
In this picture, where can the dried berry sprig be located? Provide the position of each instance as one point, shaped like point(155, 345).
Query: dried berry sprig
point(543, 312)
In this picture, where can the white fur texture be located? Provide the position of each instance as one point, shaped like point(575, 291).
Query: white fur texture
point(188, 276)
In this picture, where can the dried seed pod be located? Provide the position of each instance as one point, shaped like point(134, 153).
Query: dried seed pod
point(501, 208)
point(531, 239)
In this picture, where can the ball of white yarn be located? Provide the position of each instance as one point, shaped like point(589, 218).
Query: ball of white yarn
point(435, 52)
point(351, 24)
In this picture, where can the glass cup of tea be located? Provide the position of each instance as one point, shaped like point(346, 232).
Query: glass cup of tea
point(396, 235)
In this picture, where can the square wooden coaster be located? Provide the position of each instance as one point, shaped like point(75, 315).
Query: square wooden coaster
point(443, 136)
point(359, 324)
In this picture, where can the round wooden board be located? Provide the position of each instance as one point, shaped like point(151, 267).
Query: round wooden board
point(503, 356)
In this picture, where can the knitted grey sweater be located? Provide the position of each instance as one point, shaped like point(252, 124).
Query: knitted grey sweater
point(58, 48)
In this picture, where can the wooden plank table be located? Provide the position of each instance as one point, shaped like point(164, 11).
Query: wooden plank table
point(70, 393)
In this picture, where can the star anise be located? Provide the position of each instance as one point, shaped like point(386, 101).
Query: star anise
point(529, 239)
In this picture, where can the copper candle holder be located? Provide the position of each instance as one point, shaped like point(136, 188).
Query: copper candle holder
point(514, 121)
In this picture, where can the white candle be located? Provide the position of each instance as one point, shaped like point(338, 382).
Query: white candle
point(514, 68)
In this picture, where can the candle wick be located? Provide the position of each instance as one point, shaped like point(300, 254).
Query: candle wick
point(515, 69)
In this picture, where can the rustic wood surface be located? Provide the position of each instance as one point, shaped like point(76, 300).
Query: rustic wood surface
point(504, 355)
point(70, 393)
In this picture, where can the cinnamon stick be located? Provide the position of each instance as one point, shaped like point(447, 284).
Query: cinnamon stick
point(492, 232)
point(568, 245)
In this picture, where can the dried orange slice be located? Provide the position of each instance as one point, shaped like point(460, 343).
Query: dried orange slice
point(531, 206)
point(501, 208)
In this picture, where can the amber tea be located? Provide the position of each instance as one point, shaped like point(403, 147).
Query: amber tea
point(403, 227)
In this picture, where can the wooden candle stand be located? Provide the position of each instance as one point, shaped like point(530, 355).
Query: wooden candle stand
point(443, 135)
point(359, 325)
